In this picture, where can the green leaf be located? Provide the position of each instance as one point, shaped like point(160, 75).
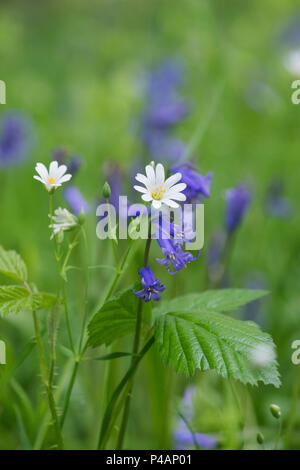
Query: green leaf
point(216, 300)
point(116, 318)
point(43, 300)
point(209, 340)
point(14, 299)
point(108, 357)
point(12, 265)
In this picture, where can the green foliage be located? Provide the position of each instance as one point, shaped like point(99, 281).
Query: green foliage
point(116, 318)
point(13, 299)
point(200, 338)
point(12, 265)
point(216, 300)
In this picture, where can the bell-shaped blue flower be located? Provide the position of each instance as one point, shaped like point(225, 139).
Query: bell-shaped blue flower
point(238, 200)
point(151, 286)
point(197, 185)
point(174, 255)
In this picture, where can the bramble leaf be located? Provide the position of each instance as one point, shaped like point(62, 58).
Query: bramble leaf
point(14, 299)
point(210, 340)
point(12, 265)
point(220, 300)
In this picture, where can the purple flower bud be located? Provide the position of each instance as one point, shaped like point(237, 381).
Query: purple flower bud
point(238, 200)
point(15, 139)
point(75, 200)
point(197, 185)
point(151, 286)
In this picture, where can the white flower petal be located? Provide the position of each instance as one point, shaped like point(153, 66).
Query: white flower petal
point(142, 179)
point(147, 197)
point(39, 179)
point(53, 168)
point(150, 175)
point(160, 174)
point(61, 171)
point(172, 180)
point(156, 204)
point(171, 203)
point(140, 189)
point(41, 170)
point(63, 179)
point(176, 196)
point(177, 188)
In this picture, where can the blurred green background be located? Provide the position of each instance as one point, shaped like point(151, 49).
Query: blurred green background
point(75, 69)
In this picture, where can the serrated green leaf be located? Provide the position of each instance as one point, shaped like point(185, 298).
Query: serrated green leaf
point(12, 265)
point(209, 340)
point(43, 300)
point(115, 319)
point(216, 300)
point(14, 299)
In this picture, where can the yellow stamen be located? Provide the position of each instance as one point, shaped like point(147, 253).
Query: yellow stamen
point(158, 193)
point(51, 180)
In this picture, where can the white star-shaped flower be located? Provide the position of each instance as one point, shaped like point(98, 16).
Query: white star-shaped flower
point(158, 190)
point(63, 220)
point(53, 178)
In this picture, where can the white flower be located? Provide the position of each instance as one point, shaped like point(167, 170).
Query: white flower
point(262, 355)
point(62, 220)
point(52, 178)
point(158, 190)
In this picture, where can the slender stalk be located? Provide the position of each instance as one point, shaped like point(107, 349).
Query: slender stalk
point(47, 385)
point(105, 427)
point(63, 289)
point(85, 346)
point(135, 349)
point(292, 415)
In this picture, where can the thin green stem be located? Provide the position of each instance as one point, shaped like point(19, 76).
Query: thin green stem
point(85, 345)
point(47, 385)
point(63, 288)
point(135, 349)
point(108, 416)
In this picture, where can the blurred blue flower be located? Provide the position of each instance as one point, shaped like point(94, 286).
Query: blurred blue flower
point(197, 185)
point(151, 286)
point(73, 162)
point(164, 109)
point(275, 203)
point(238, 200)
point(15, 139)
point(183, 435)
point(75, 200)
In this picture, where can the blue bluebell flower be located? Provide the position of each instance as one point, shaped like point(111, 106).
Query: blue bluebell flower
point(151, 286)
point(197, 185)
point(238, 201)
point(76, 200)
point(15, 139)
point(276, 204)
point(174, 255)
point(183, 436)
point(73, 162)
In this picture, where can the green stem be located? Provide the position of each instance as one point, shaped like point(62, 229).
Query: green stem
point(85, 346)
point(135, 349)
point(105, 427)
point(293, 415)
point(63, 288)
point(46, 383)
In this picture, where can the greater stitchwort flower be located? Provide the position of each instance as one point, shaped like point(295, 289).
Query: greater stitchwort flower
point(63, 220)
point(53, 178)
point(158, 190)
point(238, 200)
point(151, 286)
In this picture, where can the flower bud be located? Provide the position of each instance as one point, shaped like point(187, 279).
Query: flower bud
point(275, 410)
point(106, 191)
point(81, 217)
point(260, 438)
